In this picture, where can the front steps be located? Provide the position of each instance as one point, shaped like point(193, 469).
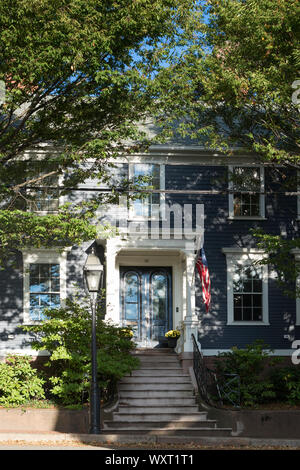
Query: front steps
point(158, 399)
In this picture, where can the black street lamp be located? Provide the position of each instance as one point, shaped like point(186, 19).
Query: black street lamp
point(93, 274)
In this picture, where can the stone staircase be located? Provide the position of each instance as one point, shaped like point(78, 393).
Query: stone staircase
point(158, 398)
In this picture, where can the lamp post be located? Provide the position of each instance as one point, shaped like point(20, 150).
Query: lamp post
point(93, 274)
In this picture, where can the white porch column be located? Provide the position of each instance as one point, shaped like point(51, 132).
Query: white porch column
point(190, 322)
point(112, 283)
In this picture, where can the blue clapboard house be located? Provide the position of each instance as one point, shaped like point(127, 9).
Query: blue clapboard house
point(150, 281)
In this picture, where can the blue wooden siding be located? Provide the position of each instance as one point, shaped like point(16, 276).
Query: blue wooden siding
point(220, 232)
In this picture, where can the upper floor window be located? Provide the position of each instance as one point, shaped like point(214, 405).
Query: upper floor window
point(246, 184)
point(43, 195)
point(148, 176)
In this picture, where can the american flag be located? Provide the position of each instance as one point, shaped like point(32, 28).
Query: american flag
point(202, 267)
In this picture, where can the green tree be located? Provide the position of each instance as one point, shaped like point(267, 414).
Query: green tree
point(79, 75)
point(237, 85)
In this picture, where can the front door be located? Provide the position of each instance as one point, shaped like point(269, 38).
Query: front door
point(146, 304)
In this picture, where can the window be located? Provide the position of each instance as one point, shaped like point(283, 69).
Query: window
point(245, 198)
point(44, 200)
point(247, 293)
point(247, 287)
point(153, 175)
point(44, 282)
point(44, 287)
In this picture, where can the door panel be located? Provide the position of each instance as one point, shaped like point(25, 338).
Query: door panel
point(146, 305)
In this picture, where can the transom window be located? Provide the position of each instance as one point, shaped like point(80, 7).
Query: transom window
point(44, 287)
point(247, 293)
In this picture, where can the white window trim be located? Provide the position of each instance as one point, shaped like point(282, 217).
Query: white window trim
point(162, 196)
point(262, 209)
point(43, 256)
point(244, 255)
point(296, 253)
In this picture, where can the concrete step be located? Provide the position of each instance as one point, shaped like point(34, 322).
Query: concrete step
point(130, 418)
point(149, 379)
point(156, 410)
point(158, 372)
point(154, 352)
point(148, 425)
point(157, 402)
point(167, 358)
point(160, 365)
point(189, 432)
point(155, 387)
point(145, 394)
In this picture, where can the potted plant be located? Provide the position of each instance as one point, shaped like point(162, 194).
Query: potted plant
point(172, 336)
point(126, 333)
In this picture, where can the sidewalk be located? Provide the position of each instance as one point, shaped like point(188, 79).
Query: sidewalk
point(122, 441)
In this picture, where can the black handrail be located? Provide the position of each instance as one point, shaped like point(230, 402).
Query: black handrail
point(215, 389)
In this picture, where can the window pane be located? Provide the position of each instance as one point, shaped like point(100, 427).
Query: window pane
point(247, 314)
point(131, 288)
point(159, 296)
point(131, 296)
point(55, 301)
point(131, 311)
point(55, 285)
point(237, 314)
point(238, 301)
point(257, 314)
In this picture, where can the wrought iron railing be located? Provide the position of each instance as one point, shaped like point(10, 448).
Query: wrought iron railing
point(214, 388)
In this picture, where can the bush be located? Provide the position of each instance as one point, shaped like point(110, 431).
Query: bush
point(19, 381)
point(286, 382)
point(249, 364)
point(66, 334)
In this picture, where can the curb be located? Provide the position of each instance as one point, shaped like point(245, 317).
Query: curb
point(149, 439)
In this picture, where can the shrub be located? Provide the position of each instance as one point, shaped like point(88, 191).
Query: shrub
point(66, 335)
point(19, 381)
point(249, 364)
point(286, 382)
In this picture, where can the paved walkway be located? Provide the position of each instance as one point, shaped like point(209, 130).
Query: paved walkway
point(110, 442)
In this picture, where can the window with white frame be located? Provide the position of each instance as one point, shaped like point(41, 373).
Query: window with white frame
point(246, 185)
point(44, 283)
point(247, 288)
point(43, 195)
point(147, 176)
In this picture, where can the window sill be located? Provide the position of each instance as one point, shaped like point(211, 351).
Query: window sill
point(248, 323)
